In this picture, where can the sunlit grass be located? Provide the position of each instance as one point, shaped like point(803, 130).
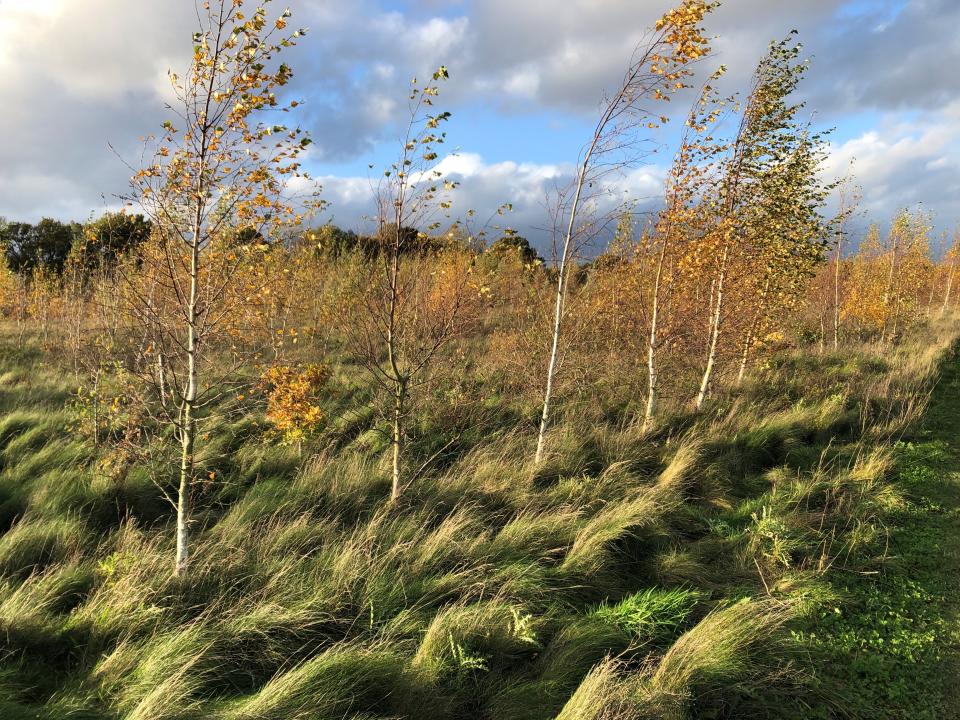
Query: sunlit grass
point(633, 575)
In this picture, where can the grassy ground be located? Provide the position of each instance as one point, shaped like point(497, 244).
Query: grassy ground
point(892, 643)
point(784, 554)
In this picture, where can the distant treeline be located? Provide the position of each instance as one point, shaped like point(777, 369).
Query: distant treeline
point(49, 245)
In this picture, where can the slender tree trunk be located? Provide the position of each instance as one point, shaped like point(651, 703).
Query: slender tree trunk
point(554, 353)
point(897, 307)
point(888, 297)
point(183, 490)
point(752, 332)
point(745, 354)
point(396, 440)
point(21, 328)
point(836, 293)
point(188, 421)
point(714, 331)
point(652, 344)
point(706, 350)
point(730, 203)
point(77, 332)
point(398, 378)
point(558, 309)
point(946, 294)
point(565, 258)
point(96, 408)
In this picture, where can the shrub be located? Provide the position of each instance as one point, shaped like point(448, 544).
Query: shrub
point(293, 405)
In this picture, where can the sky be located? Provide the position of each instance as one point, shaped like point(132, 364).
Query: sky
point(83, 81)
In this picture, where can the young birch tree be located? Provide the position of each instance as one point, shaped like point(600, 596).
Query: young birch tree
point(217, 167)
point(891, 298)
point(767, 204)
point(849, 200)
point(679, 222)
point(415, 292)
point(888, 275)
point(788, 239)
point(660, 66)
point(951, 260)
point(908, 257)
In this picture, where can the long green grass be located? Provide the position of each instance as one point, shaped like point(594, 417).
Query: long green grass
point(663, 574)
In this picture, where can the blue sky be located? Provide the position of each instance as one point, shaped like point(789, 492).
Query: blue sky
point(526, 79)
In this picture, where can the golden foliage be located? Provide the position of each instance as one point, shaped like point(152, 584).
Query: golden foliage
point(293, 403)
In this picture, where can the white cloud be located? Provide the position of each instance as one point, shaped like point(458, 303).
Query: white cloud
point(906, 161)
point(77, 74)
point(439, 35)
point(485, 187)
point(524, 83)
point(89, 49)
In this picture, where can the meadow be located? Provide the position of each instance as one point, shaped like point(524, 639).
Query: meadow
point(759, 559)
point(699, 463)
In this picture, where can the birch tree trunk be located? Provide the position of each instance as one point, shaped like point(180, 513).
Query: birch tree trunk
point(752, 332)
point(397, 376)
point(888, 292)
point(558, 320)
point(745, 354)
point(222, 172)
point(713, 288)
point(614, 133)
point(652, 373)
point(396, 440)
point(836, 292)
point(946, 294)
point(188, 422)
point(565, 257)
point(714, 332)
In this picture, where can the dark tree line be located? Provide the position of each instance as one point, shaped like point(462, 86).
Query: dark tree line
point(49, 244)
point(99, 244)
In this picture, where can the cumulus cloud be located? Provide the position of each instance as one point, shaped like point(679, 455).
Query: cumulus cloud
point(74, 78)
point(529, 188)
point(77, 74)
point(892, 56)
point(354, 67)
point(885, 54)
point(905, 164)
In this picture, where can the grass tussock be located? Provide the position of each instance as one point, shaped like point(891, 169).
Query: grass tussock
point(718, 653)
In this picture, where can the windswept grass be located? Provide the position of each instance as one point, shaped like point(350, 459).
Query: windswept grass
point(676, 573)
point(713, 656)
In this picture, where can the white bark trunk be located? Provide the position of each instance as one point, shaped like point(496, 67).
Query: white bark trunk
point(565, 256)
point(188, 422)
point(714, 332)
point(563, 271)
point(888, 298)
point(946, 295)
point(652, 372)
point(396, 441)
point(836, 293)
point(823, 335)
point(752, 332)
point(187, 428)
